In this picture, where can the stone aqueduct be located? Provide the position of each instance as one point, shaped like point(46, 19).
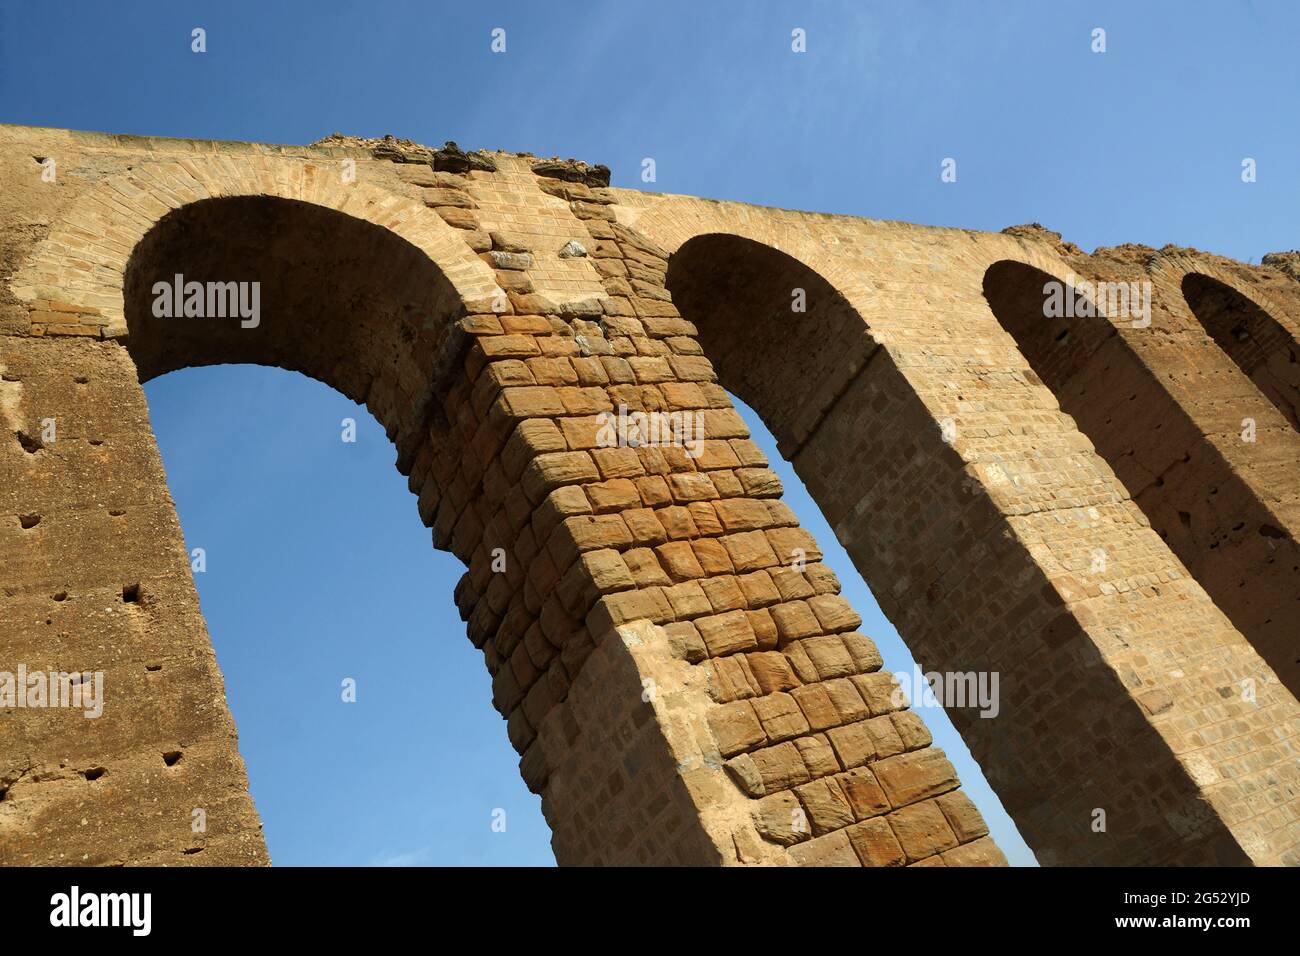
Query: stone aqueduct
point(1102, 511)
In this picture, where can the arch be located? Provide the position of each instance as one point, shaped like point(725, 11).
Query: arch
point(626, 562)
point(342, 300)
point(938, 529)
point(1195, 500)
point(82, 263)
point(318, 568)
point(722, 275)
point(673, 221)
point(357, 288)
point(1250, 336)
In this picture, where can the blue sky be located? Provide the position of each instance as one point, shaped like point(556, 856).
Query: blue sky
point(318, 568)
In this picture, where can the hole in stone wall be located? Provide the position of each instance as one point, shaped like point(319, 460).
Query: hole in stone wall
point(31, 443)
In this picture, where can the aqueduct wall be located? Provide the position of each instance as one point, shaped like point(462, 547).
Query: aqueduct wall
point(1100, 510)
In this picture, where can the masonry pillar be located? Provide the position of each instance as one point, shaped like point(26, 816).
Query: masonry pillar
point(95, 585)
point(677, 668)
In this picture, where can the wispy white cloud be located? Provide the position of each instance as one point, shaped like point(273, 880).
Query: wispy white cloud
point(418, 857)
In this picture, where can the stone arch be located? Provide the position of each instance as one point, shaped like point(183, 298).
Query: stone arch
point(630, 562)
point(958, 570)
point(81, 264)
point(359, 288)
point(754, 356)
point(1250, 335)
point(78, 273)
point(506, 454)
point(1173, 471)
point(338, 298)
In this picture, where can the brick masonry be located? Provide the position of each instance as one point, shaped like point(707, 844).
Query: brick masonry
point(675, 666)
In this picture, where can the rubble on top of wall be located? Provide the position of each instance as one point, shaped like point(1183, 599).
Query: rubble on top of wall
point(452, 159)
point(1040, 233)
point(572, 171)
point(449, 158)
point(1288, 262)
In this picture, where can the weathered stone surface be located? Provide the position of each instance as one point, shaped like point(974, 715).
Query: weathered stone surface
point(676, 667)
point(875, 844)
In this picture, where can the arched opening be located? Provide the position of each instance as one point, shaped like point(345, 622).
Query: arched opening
point(756, 299)
point(945, 565)
point(1193, 498)
point(1252, 338)
point(281, 283)
point(339, 299)
point(313, 572)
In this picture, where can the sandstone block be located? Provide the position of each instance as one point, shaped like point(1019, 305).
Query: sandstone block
point(963, 817)
point(915, 776)
point(780, 716)
point(854, 744)
point(818, 755)
point(645, 568)
point(547, 472)
point(688, 600)
point(678, 559)
point(749, 551)
point(982, 852)
point(825, 805)
point(780, 819)
point(863, 793)
point(795, 620)
point(723, 594)
point(764, 629)
point(736, 728)
point(834, 613)
point(772, 671)
point(922, 830)
point(617, 494)
point(834, 849)
point(875, 844)
point(645, 527)
point(726, 633)
point(780, 767)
